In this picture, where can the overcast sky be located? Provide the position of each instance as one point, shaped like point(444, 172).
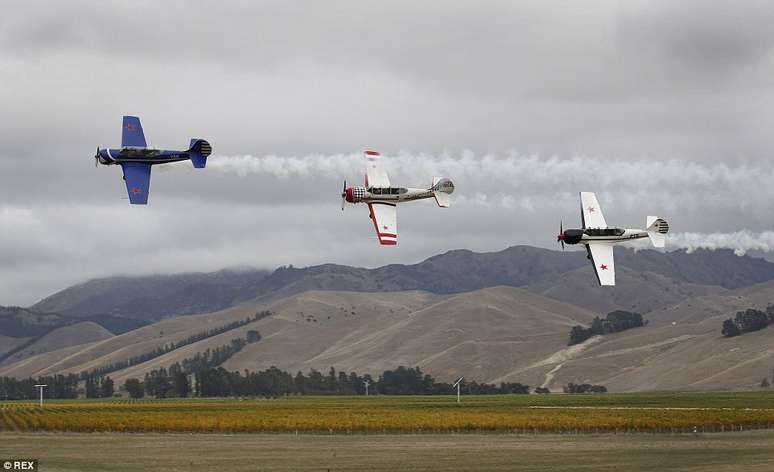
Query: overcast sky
point(661, 107)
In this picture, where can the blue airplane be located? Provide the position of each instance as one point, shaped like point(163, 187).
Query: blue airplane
point(136, 159)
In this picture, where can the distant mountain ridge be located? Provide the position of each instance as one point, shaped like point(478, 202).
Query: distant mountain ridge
point(21, 322)
point(154, 297)
point(18, 322)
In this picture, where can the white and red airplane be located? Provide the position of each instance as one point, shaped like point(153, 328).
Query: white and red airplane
point(382, 198)
point(599, 238)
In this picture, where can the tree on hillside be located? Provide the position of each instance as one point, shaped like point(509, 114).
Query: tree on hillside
point(614, 322)
point(578, 334)
point(751, 320)
point(765, 383)
point(620, 320)
point(253, 336)
point(597, 327)
point(729, 329)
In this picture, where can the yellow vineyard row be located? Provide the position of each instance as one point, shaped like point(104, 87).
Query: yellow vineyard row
point(383, 414)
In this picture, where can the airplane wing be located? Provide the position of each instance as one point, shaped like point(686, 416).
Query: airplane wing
point(375, 174)
point(385, 218)
point(131, 133)
point(137, 178)
point(591, 213)
point(604, 264)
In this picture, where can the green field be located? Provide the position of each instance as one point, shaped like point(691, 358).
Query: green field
point(659, 412)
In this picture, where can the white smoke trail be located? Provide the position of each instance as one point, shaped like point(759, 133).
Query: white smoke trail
point(740, 242)
point(284, 167)
point(532, 186)
point(514, 170)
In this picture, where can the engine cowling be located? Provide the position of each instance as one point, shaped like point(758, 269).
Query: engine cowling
point(572, 236)
point(355, 194)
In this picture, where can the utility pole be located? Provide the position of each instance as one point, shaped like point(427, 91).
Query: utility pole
point(41, 386)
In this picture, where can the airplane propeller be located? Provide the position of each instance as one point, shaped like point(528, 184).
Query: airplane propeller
point(96, 158)
point(344, 195)
point(560, 238)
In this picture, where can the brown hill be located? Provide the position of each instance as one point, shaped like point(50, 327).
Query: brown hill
point(139, 341)
point(66, 336)
point(714, 308)
point(691, 357)
point(501, 323)
point(494, 334)
point(7, 343)
point(352, 331)
point(636, 291)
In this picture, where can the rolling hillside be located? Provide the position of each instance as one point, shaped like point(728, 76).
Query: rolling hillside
point(492, 317)
point(351, 331)
point(59, 338)
point(637, 291)
point(494, 334)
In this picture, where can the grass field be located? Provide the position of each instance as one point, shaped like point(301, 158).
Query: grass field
point(81, 452)
point(661, 412)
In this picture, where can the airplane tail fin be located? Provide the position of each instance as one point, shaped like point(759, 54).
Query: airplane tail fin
point(657, 229)
point(199, 151)
point(442, 189)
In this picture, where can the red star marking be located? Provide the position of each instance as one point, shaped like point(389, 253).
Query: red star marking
point(591, 209)
point(136, 190)
point(603, 267)
point(129, 127)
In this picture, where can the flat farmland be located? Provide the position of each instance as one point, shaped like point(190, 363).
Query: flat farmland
point(82, 452)
point(520, 414)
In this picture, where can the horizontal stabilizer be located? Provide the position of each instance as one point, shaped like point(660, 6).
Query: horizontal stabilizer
point(131, 133)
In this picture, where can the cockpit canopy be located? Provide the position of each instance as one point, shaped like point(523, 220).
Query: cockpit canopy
point(387, 191)
point(604, 231)
point(139, 152)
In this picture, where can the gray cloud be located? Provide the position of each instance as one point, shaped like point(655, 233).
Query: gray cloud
point(668, 107)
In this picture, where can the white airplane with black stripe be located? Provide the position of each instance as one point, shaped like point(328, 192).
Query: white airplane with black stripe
point(382, 198)
point(599, 238)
